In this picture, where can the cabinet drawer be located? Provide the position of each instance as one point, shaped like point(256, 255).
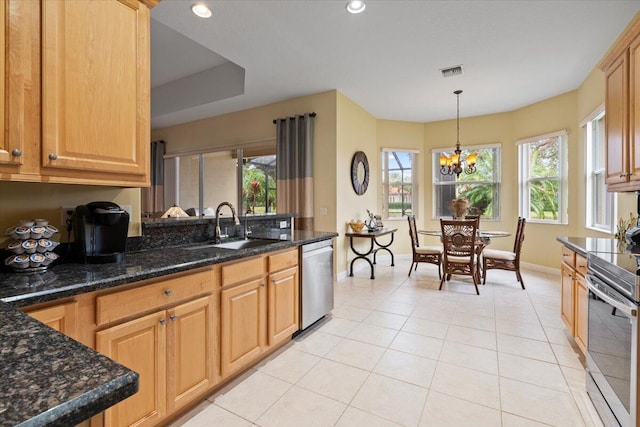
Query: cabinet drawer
point(120, 305)
point(283, 260)
point(581, 264)
point(568, 257)
point(242, 271)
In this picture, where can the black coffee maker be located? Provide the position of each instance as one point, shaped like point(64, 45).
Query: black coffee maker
point(100, 232)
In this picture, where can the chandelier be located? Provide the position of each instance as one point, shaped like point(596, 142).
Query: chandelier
point(455, 164)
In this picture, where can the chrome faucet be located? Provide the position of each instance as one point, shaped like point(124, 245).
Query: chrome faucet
point(236, 221)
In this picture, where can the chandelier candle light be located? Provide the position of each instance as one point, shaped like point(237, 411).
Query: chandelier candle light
point(456, 164)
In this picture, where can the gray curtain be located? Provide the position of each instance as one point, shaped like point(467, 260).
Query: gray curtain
point(294, 171)
point(153, 196)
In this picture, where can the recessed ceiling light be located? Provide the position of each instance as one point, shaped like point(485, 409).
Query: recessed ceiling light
point(356, 6)
point(201, 10)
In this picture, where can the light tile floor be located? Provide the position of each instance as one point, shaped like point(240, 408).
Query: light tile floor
point(396, 351)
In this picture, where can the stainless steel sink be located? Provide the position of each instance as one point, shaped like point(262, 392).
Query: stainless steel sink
point(234, 245)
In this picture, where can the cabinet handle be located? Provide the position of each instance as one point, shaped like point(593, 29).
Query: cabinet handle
point(53, 156)
point(624, 175)
point(168, 292)
point(163, 322)
point(173, 317)
point(263, 284)
point(16, 152)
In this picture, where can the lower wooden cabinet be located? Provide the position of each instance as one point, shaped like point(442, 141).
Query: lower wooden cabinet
point(61, 317)
point(242, 325)
point(567, 297)
point(139, 345)
point(283, 305)
point(581, 312)
point(172, 350)
point(574, 296)
point(191, 350)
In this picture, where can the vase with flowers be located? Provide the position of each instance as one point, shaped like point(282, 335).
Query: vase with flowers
point(459, 207)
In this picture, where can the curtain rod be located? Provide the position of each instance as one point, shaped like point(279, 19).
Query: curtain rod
point(299, 115)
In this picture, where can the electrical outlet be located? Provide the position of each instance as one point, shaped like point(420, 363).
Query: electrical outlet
point(283, 224)
point(65, 214)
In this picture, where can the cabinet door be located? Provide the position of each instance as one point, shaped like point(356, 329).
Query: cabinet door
point(20, 75)
point(567, 297)
point(581, 306)
point(242, 325)
point(634, 109)
point(140, 346)
point(283, 305)
point(192, 348)
point(616, 121)
point(95, 88)
point(62, 317)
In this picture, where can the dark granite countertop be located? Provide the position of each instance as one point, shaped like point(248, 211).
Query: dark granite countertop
point(582, 245)
point(50, 379)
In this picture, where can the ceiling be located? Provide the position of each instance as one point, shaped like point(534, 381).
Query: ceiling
point(386, 59)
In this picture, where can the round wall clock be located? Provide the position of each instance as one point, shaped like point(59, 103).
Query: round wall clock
point(360, 172)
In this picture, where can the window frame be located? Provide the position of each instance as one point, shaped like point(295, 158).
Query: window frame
point(591, 172)
point(415, 181)
point(497, 183)
point(524, 167)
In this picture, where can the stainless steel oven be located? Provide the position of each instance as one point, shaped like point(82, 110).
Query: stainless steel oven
point(612, 343)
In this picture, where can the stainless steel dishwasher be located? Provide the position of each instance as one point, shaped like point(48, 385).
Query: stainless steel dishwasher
point(316, 282)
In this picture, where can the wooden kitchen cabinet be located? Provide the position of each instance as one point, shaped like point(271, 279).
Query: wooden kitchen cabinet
point(191, 350)
point(283, 297)
point(243, 311)
point(140, 345)
point(86, 117)
point(574, 295)
point(259, 307)
point(621, 66)
point(166, 331)
point(567, 311)
point(61, 317)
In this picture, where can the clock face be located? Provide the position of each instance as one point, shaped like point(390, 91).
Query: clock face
point(360, 172)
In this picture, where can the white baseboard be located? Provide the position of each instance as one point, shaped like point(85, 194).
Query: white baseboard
point(541, 268)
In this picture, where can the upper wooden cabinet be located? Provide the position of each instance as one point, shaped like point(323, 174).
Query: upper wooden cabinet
point(86, 117)
point(621, 66)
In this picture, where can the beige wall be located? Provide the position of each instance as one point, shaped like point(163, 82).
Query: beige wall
point(408, 136)
point(356, 130)
point(21, 200)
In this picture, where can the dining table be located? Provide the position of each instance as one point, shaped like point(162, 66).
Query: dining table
point(483, 239)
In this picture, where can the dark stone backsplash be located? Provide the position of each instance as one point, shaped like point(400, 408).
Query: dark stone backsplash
point(171, 232)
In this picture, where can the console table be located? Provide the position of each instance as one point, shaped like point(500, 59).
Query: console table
point(374, 246)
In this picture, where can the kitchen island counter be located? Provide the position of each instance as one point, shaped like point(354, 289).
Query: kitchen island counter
point(50, 379)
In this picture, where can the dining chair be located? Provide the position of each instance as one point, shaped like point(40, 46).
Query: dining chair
point(505, 260)
point(428, 254)
point(460, 250)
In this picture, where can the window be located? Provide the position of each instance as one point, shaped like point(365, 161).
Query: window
point(259, 184)
point(542, 178)
point(481, 188)
point(600, 203)
point(399, 183)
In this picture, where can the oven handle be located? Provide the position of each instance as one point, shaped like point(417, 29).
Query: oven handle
point(632, 312)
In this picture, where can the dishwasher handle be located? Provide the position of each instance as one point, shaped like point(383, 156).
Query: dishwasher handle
point(592, 284)
point(316, 252)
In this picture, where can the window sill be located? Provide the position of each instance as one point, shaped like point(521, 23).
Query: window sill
point(600, 230)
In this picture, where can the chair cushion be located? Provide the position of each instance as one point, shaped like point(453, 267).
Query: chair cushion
point(429, 250)
point(458, 259)
point(498, 254)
